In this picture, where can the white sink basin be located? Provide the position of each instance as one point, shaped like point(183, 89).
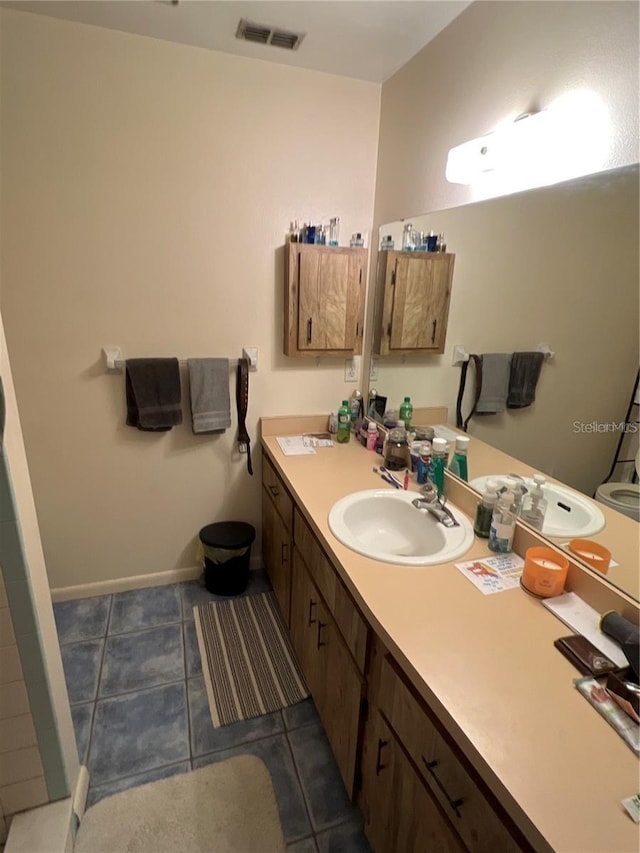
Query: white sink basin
point(569, 514)
point(385, 526)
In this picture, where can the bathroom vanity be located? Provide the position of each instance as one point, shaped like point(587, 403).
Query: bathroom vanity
point(454, 721)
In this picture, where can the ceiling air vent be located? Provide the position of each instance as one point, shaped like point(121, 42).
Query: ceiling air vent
point(263, 34)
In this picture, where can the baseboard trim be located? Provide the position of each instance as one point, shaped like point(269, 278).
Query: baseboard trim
point(108, 587)
point(46, 829)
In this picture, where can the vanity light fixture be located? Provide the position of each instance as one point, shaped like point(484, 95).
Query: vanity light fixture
point(571, 137)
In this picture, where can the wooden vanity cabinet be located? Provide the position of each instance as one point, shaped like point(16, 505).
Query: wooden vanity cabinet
point(413, 294)
point(332, 677)
point(324, 300)
point(277, 535)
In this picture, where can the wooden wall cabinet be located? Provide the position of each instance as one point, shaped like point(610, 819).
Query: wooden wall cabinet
point(324, 300)
point(413, 293)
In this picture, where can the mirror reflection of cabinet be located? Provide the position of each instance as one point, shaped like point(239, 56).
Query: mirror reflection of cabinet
point(414, 290)
point(324, 300)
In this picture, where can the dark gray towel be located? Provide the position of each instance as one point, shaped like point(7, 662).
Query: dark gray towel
point(209, 391)
point(495, 383)
point(525, 372)
point(153, 393)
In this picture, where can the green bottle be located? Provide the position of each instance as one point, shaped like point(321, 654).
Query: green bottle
point(406, 412)
point(344, 423)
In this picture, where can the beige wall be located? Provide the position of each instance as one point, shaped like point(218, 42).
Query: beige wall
point(498, 60)
point(147, 188)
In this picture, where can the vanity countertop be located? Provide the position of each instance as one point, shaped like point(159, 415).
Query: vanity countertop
point(487, 667)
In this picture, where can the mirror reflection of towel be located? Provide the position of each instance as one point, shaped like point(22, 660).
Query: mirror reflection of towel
point(495, 383)
point(153, 393)
point(523, 378)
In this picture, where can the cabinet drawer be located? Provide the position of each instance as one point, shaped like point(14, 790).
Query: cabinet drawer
point(458, 793)
point(347, 617)
point(277, 492)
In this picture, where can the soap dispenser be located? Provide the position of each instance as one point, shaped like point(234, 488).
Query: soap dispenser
point(484, 510)
point(534, 504)
point(503, 522)
point(458, 464)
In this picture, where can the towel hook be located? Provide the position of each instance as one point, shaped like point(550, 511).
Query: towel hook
point(546, 351)
point(111, 355)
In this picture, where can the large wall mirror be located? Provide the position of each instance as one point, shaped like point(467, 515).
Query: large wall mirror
point(556, 265)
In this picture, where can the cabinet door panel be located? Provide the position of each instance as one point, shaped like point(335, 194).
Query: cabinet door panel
point(333, 303)
point(400, 815)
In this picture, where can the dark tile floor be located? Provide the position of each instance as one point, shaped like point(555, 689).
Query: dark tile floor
point(140, 713)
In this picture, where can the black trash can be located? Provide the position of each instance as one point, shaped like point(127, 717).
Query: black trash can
point(227, 553)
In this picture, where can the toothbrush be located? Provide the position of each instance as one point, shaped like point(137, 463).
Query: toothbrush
point(392, 476)
point(387, 478)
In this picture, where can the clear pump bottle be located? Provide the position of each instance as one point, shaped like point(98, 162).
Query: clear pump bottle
point(503, 523)
point(407, 237)
point(534, 505)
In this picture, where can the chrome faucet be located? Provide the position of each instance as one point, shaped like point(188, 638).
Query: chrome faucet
point(437, 509)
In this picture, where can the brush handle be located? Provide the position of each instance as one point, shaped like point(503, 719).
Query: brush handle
point(391, 482)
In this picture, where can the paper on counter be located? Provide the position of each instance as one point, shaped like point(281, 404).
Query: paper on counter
point(293, 445)
point(493, 574)
point(583, 619)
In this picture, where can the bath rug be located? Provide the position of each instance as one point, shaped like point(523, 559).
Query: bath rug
point(248, 663)
point(227, 807)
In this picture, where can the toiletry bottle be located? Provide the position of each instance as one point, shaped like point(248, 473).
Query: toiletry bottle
point(439, 463)
point(333, 424)
point(407, 237)
point(357, 240)
point(424, 467)
point(458, 464)
point(334, 230)
point(344, 423)
point(372, 435)
point(406, 412)
point(534, 504)
point(386, 244)
point(503, 523)
point(484, 510)
point(355, 409)
point(516, 485)
point(442, 246)
point(432, 241)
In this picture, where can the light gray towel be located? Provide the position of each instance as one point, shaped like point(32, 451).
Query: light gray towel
point(495, 383)
point(209, 389)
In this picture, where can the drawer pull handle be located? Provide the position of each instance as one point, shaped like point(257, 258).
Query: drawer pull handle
point(275, 491)
point(312, 604)
point(455, 804)
point(309, 330)
point(283, 552)
point(433, 332)
point(319, 643)
point(379, 765)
